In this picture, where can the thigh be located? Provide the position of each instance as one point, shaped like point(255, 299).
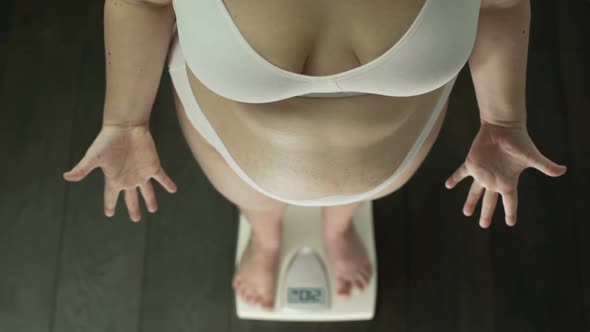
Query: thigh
point(221, 176)
point(415, 163)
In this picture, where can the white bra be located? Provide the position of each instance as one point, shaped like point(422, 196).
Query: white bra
point(432, 51)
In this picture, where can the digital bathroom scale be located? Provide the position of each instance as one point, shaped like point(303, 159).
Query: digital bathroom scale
point(305, 289)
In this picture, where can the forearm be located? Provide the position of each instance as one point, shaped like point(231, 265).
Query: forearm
point(137, 36)
point(498, 64)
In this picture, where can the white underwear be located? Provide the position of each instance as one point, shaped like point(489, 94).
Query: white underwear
point(178, 74)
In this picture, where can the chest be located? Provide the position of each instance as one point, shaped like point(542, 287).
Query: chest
point(275, 51)
point(322, 37)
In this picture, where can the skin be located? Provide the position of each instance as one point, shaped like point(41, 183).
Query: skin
point(128, 158)
point(497, 63)
point(502, 149)
point(137, 36)
point(496, 159)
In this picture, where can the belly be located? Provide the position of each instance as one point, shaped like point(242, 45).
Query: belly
point(306, 148)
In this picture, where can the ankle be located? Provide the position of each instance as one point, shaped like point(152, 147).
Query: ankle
point(268, 241)
point(337, 230)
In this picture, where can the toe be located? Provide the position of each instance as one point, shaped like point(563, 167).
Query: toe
point(359, 282)
point(366, 275)
point(245, 292)
point(266, 303)
point(367, 272)
point(267, 298)
point(241, 293)
point(250, 296)
point(343, 287)
point(236, 283)
point(356, 288)
point(256, 299)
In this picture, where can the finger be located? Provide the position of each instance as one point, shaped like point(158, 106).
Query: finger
point(79, 172)
point(132, 204)
point(510, 202)
point(165, 180)
point(545, 165)
point(110, 200)
point(148, 195)
point(490, 198)
point(473, 197)
point(457, 176)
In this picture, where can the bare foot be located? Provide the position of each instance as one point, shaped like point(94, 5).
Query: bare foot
point(255, 278)
point(351, 265)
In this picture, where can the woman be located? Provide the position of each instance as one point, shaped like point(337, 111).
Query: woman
point(312, 102)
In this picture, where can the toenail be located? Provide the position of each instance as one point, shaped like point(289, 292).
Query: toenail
point(243, 293)
point(362, 279)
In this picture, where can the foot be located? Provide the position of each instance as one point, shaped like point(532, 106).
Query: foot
point(350, 263)
point(255, 278)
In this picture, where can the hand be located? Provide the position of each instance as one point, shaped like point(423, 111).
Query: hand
point(496, 159)
point(128, 158)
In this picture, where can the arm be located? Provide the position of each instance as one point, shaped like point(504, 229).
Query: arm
point(137, 35)
point(502, 149)
point(498, 61)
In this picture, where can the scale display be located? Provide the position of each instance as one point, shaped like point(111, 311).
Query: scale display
point(303, 295)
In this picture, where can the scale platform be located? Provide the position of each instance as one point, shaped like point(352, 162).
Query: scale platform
point(305, 289)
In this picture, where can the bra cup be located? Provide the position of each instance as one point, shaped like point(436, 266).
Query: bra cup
point(431, 53)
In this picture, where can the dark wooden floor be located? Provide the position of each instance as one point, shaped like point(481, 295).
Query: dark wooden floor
point(66, 267)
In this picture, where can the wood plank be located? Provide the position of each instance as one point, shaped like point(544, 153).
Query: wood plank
point(575, 77)
point(535, 263)
point(239, 325)
point(449, 262)
point(101, 262)
point(390, 222)
point(40, 75)
point(6, 15)
point(191, 239)
point(432, 270)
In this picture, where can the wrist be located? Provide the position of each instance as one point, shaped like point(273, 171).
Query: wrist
point(521, 124)
point(124, 114)
point(123, 124)
point(509, 115)
point(121, 120)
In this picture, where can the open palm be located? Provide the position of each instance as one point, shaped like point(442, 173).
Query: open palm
point(496, 159)
point(128, 159)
